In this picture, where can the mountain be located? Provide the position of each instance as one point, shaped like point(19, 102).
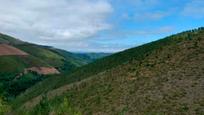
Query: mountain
point(5, 39)
point(91, 57)
point(22, 64)
point(82, 58)
point(161, 77)
point(6, 50)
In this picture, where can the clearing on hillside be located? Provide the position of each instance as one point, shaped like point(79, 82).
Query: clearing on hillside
point(43, 70)
point(6, 49)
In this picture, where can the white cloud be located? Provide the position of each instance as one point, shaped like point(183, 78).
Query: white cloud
point(194, 9)
point(51, 20)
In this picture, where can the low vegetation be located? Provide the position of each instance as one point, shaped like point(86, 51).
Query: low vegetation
point(46, 108)
point(13, 78)
point(162, 77)
point(4, 107)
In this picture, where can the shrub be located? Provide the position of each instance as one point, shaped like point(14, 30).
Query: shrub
point(65, 108)
point(4, 108)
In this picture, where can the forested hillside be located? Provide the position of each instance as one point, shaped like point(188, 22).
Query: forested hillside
point(162, 77)
point(13, 65)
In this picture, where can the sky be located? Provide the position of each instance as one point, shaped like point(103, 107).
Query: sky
point(98, 25)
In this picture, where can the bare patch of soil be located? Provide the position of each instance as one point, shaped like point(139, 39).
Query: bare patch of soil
point(10, 50)
point(43, 70)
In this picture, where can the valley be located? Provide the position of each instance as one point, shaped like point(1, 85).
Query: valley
point(161, 77)
point(101, 57)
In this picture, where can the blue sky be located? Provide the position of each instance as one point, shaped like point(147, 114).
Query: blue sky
point(98, 25)
point(141, 21)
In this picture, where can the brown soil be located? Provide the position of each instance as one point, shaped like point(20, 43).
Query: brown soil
point(10, 50)
point(43, 70)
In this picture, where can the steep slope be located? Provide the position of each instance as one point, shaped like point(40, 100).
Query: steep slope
point(63, 60)
point(5, 39)
point(162, 77)
point(6, 50)
point(17, 56)
point(37, 56)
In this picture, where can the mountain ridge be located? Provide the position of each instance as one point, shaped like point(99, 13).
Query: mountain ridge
point(16, 57)
point(169, 52)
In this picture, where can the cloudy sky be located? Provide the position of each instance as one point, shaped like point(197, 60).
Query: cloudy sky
point(98, 25)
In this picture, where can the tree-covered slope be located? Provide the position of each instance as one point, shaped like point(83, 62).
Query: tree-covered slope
point(9, 40)
point(82, 58)
point(48, 56)
point(155, 78)
point(38, 56)
point(11, 66)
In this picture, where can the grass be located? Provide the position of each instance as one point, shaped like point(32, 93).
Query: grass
point(9, 64)
point(41, 53)
point(4, 107)
point(8, 39)
point(167, 81)
point(137, 54)
point(17, 64)
point(12, 66)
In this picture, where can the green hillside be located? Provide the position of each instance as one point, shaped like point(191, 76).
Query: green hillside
point(90, 57)
point(39, 56)
point(9, 40)
point(82, 58)
point(155, 78)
